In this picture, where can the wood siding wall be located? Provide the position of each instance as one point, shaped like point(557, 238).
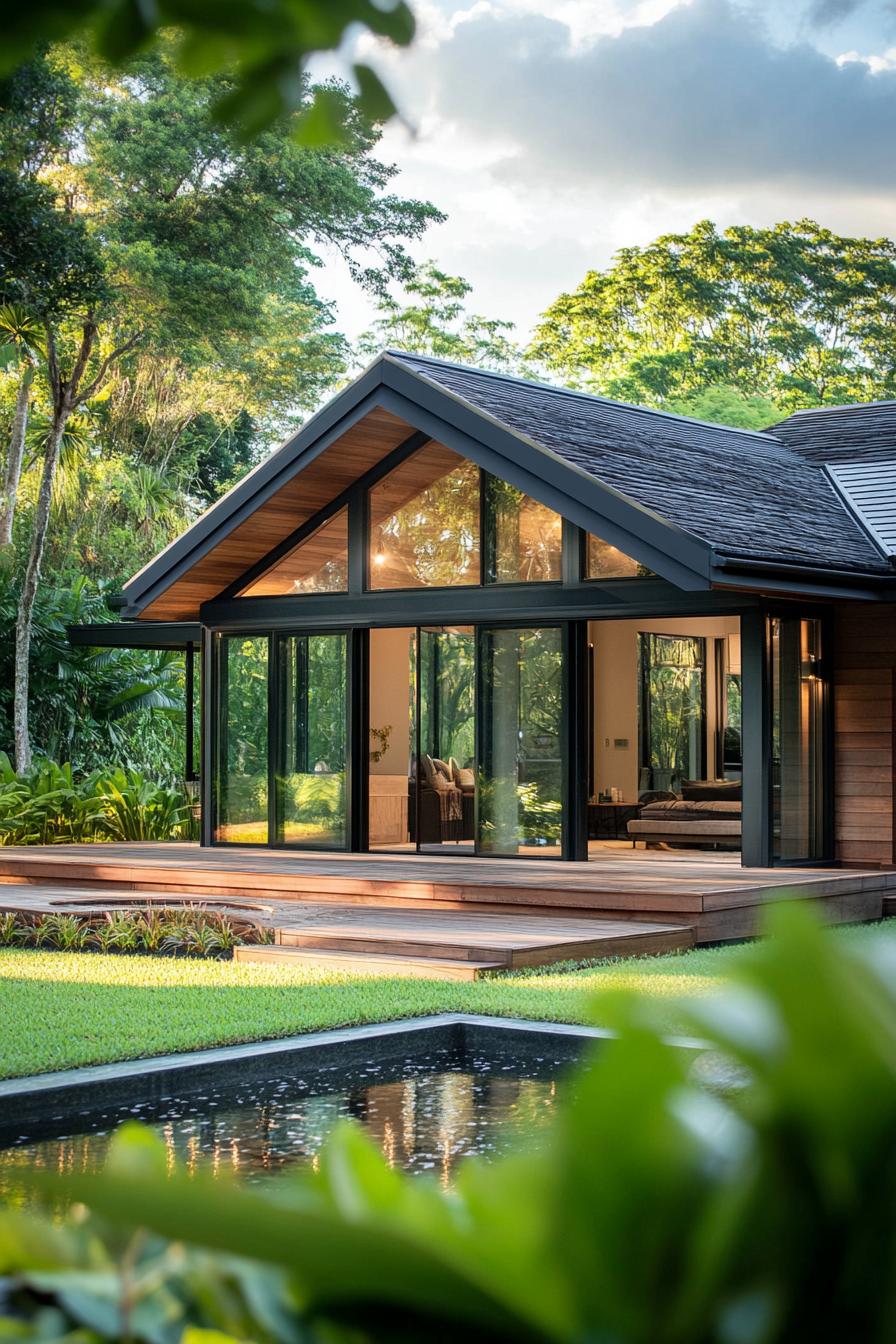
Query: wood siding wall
point(864, 675)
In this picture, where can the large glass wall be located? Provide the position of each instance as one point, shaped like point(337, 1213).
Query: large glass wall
point(424, 522)
point(672, 674)
point(242, 756)
point(521, 756)
point(798, 723)
point(312, 755)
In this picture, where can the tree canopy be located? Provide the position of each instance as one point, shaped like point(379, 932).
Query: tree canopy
point(264, 45)
point(794, 314)
point(167, 263)
point(436, 322)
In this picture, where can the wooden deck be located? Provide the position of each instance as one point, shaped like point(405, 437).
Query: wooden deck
point(439, 915)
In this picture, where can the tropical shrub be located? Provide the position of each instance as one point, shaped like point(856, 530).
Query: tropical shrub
point(48, 805)
point(85, 704)
point(743, 1198)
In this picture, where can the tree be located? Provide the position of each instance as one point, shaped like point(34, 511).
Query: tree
point(437, 323)
point(23, 336)
point(795, 314)
point(264, 47)
point(215, 241)
point(723, 405)
point(168, 261)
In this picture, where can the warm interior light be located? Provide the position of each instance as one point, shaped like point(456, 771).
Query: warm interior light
point(379, 558)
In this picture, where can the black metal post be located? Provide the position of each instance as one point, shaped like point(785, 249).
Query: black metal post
point(358, 541)
point(189, 696)
point(573, 554)
point(357, 756)
point(209, 672)
point(578, 745)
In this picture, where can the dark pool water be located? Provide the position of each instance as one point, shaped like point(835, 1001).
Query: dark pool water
point(425, 1112)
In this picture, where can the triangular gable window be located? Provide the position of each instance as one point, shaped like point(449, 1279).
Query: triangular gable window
point(606, 562)
point(424, 522)
point(319, 564)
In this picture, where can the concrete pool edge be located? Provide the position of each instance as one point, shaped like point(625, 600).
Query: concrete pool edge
point(66, 1087)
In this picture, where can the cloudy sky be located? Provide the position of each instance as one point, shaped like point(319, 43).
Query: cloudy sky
point(553, 132)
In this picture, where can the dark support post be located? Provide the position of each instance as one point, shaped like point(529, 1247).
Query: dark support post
point(358, 739)
point(358, 541)
point(573, 554)
point(189, 696)
point(578, 744)
point(756, 850)
point(207, 735)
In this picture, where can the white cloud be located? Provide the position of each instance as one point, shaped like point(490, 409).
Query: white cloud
point(701, 97)
point(553, 141)
point(877, 63)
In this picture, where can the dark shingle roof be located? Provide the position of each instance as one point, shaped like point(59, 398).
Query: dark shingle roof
point(748, 493)
point(832, 434)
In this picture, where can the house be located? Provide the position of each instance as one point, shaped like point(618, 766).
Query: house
point(464, 613)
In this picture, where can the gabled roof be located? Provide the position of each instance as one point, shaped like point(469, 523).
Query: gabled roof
point(682, 496)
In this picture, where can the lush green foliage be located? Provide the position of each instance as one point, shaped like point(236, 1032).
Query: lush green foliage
point(661, 1209)
point(164, 263)
point(436, 322)
point(793, 315)
point(190, 930)
point(263, 48)
point(91, 706)
point(48, 806)
point(201, 243)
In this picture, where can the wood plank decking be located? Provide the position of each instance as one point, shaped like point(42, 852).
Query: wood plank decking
point(445, 916)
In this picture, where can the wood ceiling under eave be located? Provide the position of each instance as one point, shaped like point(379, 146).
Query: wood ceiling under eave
point(297, 500)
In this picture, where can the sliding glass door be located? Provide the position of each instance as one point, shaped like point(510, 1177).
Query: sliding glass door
point(521, 730)
point(478, 715)
point(312, 741)
point(242, 775)
point(446, 784)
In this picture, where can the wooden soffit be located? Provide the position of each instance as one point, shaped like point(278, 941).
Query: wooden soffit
point(301, 496)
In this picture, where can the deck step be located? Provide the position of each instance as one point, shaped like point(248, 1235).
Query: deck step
point(510, 941)
point(424, 952)
point(404, 945)
point(368, 963)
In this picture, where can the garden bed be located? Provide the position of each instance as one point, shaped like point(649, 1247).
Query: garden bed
point(167, 931)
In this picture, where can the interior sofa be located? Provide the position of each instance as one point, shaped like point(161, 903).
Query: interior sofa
point(447, 802)
point(705, 812)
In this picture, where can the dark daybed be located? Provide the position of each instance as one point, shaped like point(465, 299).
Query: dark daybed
point(706, 812)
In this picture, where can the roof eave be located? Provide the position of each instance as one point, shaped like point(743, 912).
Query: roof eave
point(324, 426)
point(788, 578)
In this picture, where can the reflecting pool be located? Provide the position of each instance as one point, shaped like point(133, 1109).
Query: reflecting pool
point(425, 1111)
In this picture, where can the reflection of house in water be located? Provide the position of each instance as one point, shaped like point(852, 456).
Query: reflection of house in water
point(425, 1123)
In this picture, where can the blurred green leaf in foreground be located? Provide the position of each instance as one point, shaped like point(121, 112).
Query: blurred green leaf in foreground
point(745, 1195)
point(264, 44)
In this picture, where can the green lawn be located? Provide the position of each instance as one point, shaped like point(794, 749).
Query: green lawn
point(63, 1009)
